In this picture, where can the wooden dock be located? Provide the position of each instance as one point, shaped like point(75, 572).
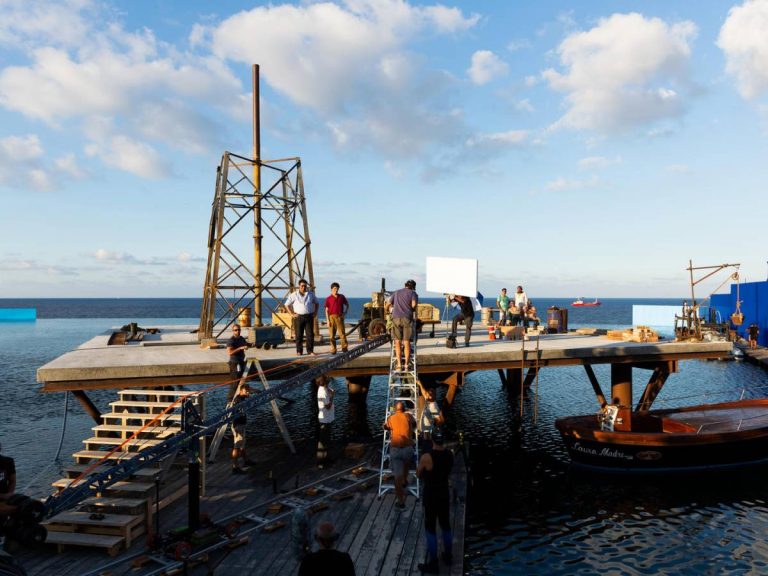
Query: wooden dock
point(380, 538)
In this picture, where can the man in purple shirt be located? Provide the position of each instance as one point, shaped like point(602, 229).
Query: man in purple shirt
point(403, 304)
point(336, 306)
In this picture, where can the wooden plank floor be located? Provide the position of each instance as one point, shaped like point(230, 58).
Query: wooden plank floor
point(380, 539)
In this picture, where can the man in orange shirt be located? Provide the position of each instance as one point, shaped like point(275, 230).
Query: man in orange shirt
point(401, 425)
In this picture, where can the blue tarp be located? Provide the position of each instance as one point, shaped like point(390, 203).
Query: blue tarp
point(754, 306)
point(18, 314)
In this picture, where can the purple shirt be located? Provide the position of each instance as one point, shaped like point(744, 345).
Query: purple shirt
point(401, 303)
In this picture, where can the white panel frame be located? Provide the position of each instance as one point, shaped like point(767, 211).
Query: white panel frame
point(452, 275)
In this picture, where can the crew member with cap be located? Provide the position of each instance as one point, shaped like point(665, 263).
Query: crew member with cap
point(403, 304)
point(327, 560)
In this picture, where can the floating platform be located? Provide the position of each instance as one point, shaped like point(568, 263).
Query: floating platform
point(173, 356)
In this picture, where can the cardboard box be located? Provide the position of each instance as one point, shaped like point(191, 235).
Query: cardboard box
point(354, 451)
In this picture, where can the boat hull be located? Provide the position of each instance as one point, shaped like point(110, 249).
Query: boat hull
point(681, 447)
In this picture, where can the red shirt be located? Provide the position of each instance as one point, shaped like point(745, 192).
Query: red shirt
point(335, 305)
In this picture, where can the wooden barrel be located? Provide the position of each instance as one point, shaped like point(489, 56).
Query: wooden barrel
point(244, 317)
point(486, 316)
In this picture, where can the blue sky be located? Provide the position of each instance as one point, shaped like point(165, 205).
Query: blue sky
point(577, 148)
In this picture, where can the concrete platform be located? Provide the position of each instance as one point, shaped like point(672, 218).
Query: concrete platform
point(173, 356)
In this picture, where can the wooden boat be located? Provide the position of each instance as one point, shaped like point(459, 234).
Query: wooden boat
point(708, 436)
point(581, 302)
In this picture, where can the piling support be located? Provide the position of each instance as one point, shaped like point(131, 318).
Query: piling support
point(621, 384)
point(89, 406)
point(357, 387)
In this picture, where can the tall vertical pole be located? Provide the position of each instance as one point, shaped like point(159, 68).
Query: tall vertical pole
point(256, 199)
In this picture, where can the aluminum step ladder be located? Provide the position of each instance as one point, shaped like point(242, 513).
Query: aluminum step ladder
point(252, 363)
point(402, 386)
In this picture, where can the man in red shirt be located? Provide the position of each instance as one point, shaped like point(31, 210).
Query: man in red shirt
point(336, 306)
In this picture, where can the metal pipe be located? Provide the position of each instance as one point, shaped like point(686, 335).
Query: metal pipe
point(257, 236)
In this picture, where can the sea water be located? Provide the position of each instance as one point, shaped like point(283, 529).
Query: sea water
point(528, 511)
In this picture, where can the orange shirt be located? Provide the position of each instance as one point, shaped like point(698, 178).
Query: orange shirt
point(400, 426)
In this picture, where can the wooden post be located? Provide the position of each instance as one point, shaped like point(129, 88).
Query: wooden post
point(257, 236)
point(357, 387)
point(621, 384)
point(89, 406)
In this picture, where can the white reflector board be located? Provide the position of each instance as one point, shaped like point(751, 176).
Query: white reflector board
point(452, 275)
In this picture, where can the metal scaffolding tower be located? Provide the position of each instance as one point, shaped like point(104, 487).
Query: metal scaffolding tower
point(258, 206)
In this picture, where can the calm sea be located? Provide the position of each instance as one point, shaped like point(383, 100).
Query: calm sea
point(529, 513)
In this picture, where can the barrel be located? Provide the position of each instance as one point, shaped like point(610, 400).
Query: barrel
point(486, 317)
point(244, 317)
point(557, 320)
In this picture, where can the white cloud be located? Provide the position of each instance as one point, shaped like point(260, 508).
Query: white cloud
point(626, 71)
point(125, 153)
point(744, 42)
point(565, 185)
point(598, 162)
point(524, 105)
point(68, 165)
point(485, 67)
point(678, 169)
point(147, 93)
point(24, 21)
point(499, 139)
point(353, 69)
point(22, 164)
point(516, 45)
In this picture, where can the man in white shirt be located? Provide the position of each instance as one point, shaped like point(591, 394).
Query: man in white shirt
point(326, 414)
point(303, 305)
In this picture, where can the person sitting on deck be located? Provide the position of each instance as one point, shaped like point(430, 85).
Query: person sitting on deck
point(515, 314)
point(327, 560)
point(530, 315)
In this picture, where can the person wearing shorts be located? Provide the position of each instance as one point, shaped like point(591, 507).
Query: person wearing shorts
point(403, 305)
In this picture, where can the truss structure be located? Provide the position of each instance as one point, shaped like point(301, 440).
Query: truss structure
point(258, 241)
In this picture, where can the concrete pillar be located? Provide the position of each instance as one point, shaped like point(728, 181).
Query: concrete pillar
point(357, 387)
point(621, 384)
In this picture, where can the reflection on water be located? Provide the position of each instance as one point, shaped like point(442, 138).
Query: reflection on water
point(528, 512)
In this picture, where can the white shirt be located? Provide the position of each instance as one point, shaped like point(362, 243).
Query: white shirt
point(302, 304)
point(431, 411)
point(325, 413)
point(521, 298)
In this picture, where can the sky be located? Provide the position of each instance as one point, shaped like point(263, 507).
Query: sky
point(577, 148)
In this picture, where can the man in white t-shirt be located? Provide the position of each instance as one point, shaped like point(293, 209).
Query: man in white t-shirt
point(325, 417)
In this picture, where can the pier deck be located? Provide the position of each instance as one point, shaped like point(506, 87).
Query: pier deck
point(380, 539)
point(173, 357)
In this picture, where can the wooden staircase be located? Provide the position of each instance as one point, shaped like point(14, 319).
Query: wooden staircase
point(113, 519)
